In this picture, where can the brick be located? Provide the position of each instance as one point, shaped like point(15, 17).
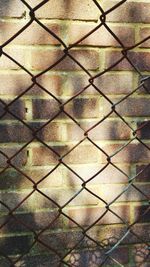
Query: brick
point(110, 192)
point(111, 130)
point(34, 202)
point(14, 133)
point(15, 84)
point(17, 55)
point(48, 108)
point(144, 129)
point(64, 9)
point(51, 132)
point(131, 153)
point(132, 107)
point(48, 158)
point(141, 231)
point(11, 179)
point(128, 12)
point(109, 83)
point(78, 155)
point(53, 179)
point(100, 37)
point(117, 83)
point(20, 133)
point(142, 214)
point(107, 130)
point(33, 35)
point(11, 10)
point(87, 171)
point(83, 107)
point(17, 108)
point(48, 198)
point(143, 173)
point(144, 33)
point(89, 59)
point(58, 241)
point(78, 108)
point(52, 83)
point(145, 88)
point(19, 160)
point(81, 155)
point(87, 216)
point(36, 221)
point(15, 245)
point(74, 132)
point(139, 59)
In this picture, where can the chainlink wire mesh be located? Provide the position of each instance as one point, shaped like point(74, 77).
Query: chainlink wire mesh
point(104, 250)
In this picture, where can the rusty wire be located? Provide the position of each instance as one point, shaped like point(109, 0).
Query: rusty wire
point(105, 248)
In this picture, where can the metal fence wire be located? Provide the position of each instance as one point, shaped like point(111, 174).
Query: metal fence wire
point(104, 250)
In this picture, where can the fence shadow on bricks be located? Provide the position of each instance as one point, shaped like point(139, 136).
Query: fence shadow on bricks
point(74, 133)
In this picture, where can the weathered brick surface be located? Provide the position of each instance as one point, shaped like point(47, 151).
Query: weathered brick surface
point(48, 108)
point(78, 108)
point(131, 153)
point(143, 131)
point(38, 201)
point(144, 32)
point(7, 63)
point(35, 221)
point(15, 84)
point(87, 216)
point(109, 175)
point(139, 59)
point(17, 108)
point(83, 107)
point(78, 155)
point(109, 83)
point(101, 37)
point(130, 12)
point(108, 130)
point(14, 133)
point(12, 179)
point(19, 160)
point(132, 194)
point(141, 231)
point(34, 34)
point(143, 172)
point(142, 213)
point(88, 58)
point(132, 107)
point(64, 9)
point(11, 10)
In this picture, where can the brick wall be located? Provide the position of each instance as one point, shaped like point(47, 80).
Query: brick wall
point(34, 196)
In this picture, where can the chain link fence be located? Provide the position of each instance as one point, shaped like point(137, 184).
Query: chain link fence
point(104, 253)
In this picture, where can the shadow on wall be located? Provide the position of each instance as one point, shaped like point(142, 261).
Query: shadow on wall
point(49, 207)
